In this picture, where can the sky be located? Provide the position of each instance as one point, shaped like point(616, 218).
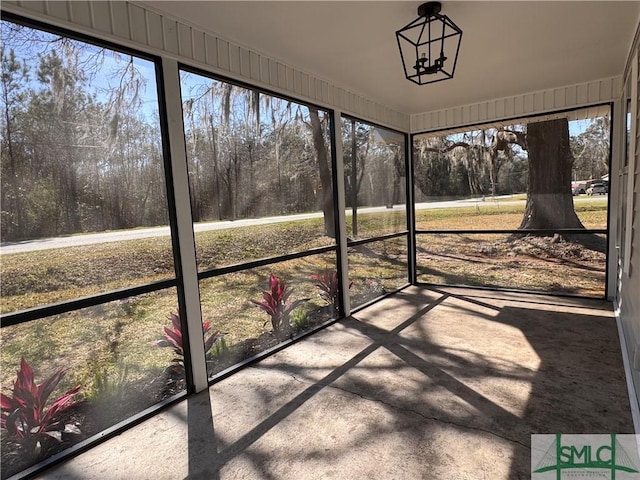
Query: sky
point(29, 43)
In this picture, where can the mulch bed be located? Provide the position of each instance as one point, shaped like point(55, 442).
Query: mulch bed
point(92, 418)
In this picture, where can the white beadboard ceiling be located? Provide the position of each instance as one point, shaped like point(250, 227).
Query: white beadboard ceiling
point(508, 47)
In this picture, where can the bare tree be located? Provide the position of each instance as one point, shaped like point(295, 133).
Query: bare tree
point(325, 172)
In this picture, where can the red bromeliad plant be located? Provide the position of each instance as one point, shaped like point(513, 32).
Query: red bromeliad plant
point(329, 286)
point(173, 338)
point(275, 303)
point(25, 415)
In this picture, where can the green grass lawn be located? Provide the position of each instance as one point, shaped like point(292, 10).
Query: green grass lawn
point(103, 340)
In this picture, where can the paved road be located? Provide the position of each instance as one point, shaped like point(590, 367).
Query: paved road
point(138, 233)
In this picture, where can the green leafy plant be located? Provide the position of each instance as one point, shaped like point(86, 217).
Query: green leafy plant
point(220, 349)
point(329, 286)
point(25, 415)
point(275, 304)
point(109, 384)
point(173, 338)
point(299, 319)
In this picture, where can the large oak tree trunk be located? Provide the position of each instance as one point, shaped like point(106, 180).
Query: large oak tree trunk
point(549, 199)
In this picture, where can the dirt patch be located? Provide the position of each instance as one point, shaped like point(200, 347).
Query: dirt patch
point(556, 264)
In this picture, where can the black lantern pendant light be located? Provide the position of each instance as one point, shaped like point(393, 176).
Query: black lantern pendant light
point(429, 45)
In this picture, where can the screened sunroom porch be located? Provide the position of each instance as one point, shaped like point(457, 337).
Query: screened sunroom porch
point(161, 179)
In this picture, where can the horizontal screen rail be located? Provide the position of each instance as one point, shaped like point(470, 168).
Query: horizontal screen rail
point(538, 231)
point(36, 313)
point(215, 272)
point(444, 288)
point(354, 243)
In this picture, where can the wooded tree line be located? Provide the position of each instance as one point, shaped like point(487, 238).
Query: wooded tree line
point(495, 161)
point(375, 175)
point(251, 154)
point(81, 154)
point(82, 150)
point(77, 155)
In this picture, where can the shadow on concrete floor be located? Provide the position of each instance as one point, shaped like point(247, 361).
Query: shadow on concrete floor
point(427, 384)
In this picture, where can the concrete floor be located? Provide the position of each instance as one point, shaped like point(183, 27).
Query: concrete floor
point(427, 384)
